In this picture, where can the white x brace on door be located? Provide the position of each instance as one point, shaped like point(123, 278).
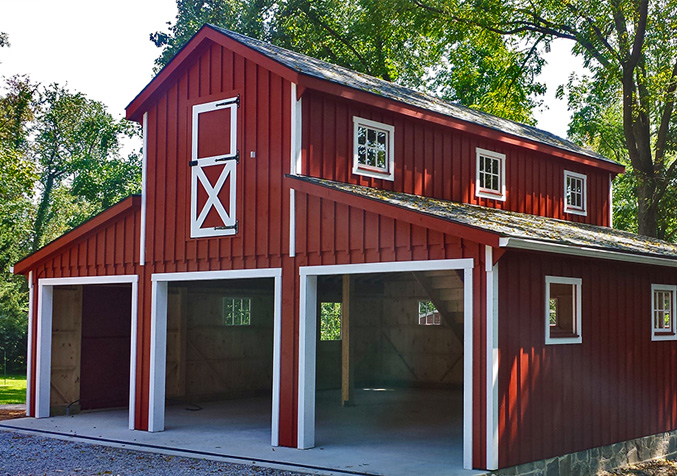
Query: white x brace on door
point(214, 160)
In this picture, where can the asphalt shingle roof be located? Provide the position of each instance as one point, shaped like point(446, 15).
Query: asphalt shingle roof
point(513, 225)
point(363, 82)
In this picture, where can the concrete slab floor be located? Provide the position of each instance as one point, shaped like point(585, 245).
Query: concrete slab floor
point(394, 432)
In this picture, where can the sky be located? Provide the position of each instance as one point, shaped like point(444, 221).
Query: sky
point(102, 49)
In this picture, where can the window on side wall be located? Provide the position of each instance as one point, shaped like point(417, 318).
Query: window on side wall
point(662, 312)
point(562, 310)
point(490, 175)
point(237, 311)
point(575, 193)
point(428, 315)
point(373, 149)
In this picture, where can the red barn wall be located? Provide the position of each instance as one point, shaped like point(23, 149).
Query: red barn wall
point(437, 161)
point(111, 249)
point(330, 233)
point(263, 127)
point(617, 385)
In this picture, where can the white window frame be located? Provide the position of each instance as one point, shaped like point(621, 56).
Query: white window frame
point(658, 334)
point(568, 208)
point(366, 170)
point(227, 161)
point(577, 283)
point(484, 192)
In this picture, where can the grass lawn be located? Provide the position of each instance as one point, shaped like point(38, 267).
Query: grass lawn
point(12, 390)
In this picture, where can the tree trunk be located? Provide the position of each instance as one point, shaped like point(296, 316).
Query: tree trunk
point(647, 207)
point(41, 215)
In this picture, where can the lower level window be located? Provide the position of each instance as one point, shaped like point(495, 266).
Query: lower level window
point(237, 311)
point(562, 310)
point(662, 312)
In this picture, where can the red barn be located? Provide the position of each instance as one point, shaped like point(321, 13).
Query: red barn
point(331, 241)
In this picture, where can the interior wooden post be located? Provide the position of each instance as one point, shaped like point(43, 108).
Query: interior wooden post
point(346, 363)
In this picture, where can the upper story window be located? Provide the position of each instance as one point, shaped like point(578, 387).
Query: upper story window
point(575, 195)
point(562, 310)
point(490, 175)
point(662, 312)
point(373, 149)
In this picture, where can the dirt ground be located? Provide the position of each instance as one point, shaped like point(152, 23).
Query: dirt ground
point(659, 467)
point(9, 414)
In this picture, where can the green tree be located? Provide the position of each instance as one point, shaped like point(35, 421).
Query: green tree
point(77, 144)
point(389, 39)
point(630, 48)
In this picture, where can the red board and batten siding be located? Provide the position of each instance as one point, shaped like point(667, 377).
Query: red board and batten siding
point(331, 233)
point(615, 386)
point(437, 161)
point(110, 248)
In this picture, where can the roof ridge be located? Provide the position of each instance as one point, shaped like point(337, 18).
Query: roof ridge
point(338, 74)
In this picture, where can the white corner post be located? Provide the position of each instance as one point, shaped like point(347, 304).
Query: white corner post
point(144, 192)
point(158, 356)
point(44, 356)
point(307, 358)
point(492, 358)
point(29, 356)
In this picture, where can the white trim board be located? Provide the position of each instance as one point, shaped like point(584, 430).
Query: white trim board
point(533, 245)
point(158, 344)
point(308, 326)
point(29, 356)
point(144, 166)
point(44, 340)
point(491, 271)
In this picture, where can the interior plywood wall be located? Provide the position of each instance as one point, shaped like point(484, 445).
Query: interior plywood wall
point(66, 347)
point(389, 346)
point(207, 360)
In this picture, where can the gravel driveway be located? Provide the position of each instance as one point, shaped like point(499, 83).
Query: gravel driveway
point(23, 455)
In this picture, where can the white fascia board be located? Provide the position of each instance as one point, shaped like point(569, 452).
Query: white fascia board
point(533, 245)
point(112, 279)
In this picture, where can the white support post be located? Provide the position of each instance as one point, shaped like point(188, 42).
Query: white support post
point(158, 356)
point(133, 357)
point(492, 359)
point(277, 342)
point(44, 356)
point(29, 357)
point(307, 356)
point(467, 367)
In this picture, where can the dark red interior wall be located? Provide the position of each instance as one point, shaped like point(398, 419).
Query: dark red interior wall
point(433, 160)
point(106, 335)
point(617, 385)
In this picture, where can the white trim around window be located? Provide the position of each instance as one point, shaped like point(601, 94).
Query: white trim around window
point(380, 150)
point(575, 193)
point(575, 336)
point(663, 301)
point(490, 175)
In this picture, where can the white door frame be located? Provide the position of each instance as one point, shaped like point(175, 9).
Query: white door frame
point(44, 340)
point(308, 337)
point(158, 338)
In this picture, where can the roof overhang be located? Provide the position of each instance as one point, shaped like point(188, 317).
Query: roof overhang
point(209, 35)
point(584, 252)
point(127, 205)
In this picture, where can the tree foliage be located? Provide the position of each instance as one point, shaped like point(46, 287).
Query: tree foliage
point(61, 162)
point(630, 46)
point(391, 39)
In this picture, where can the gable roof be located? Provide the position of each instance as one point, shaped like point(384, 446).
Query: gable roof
point(512, 229)
point(123, 207)
point(300, 68)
